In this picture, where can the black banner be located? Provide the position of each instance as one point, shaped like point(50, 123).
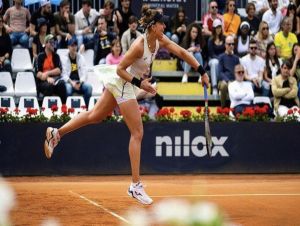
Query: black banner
point(167, 148)
point(169, 7)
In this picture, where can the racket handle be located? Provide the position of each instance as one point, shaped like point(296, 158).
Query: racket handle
point(205, 92)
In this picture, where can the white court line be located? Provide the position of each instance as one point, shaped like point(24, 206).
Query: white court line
point(100, 206)
point(227, 195)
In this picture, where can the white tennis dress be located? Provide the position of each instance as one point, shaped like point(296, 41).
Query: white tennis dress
point(121, 89)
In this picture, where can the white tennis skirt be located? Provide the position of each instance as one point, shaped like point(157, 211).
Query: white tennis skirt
point(120, 89)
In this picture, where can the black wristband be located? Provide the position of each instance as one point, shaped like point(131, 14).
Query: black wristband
point(135, 81)
point(201, 70)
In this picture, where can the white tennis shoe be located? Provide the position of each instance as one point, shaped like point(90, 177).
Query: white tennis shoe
point(52, 139)
point(137, 191)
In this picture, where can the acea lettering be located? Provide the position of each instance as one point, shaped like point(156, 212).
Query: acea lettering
point(167, 146)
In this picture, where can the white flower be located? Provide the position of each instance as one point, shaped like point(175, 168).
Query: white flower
point(7, 197)
point(171, 211)
point(50, 222)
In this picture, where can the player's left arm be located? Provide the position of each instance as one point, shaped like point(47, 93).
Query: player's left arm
point(184, 55)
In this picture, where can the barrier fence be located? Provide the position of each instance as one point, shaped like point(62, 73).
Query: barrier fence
point(168, 148)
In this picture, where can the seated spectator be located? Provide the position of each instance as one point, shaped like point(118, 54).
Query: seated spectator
point(101, 42)
point(74, 72)
point(130, 34)
point(254, 67)
point(110, 14)
point(284, 40)
point(5, 48)
point(261, 6)
point(263, 38)
point(251, 18)
point(209, 18)
point(123, 13)
point(243, 39)
point(64, 24)
point(49, 80)
point(295, 62)
point(273, 17)
point(227, 62)
point(240, 92)
point(116, 55)
point(43, 12)
point(231, 20)
point(85, 20)
point(17, 19)
point(272, 69)
point(39, 39)
point(193, 43)
point(178, 25)
point(292, 14)
point(216, 46)
point(284, 89)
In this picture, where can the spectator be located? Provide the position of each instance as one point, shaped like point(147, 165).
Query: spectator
point(240, 92)
point(4, 5)
point(64, 24)
point(273, 17)
point(110, 14)
point(209, 18)
point(227, 62)
point(284, 40)
point(85, 20)
point(284, 89)
point(193, 43)
point(243, 39)
point(130, 34)
point(272, 69)
point(291, 13)
point(43, 12)
point(216, 46)
point(254, 67)
point(263, 38)
point(101, 42)
point(49, 80)
point(251, 18)
point(283, 5)
point(261, 6)
point(5, 48)
point(39, 39)
point(116, 55)
point(221, 5)
point(178, 25)
point(17, 18)
point(123, 14)
point(294, 61)
point(74, 72)
point(230, 19)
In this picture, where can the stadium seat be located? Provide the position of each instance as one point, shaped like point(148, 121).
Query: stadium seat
point(7, 102)
point(62, 53)
point(25, 84)
point(96, 83)
point(89, 57)
point(6, 80)
point(76, 102)
point(27, 102)
point(48, 102)
point(21, 60)
point(262, 100)
point(93, 101)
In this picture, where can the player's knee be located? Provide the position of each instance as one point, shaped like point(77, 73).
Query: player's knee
point(138, 133)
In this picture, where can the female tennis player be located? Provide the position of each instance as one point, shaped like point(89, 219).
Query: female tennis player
point(120, 90)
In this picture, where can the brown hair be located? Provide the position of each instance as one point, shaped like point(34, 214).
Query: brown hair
point(147, 18)
point(114, 43)
point(3, 28)
point(64, 3)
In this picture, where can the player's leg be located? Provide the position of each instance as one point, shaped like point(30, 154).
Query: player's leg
point(132, 118)
point(102, 108)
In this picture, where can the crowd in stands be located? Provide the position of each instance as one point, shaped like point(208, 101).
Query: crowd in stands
point(255, 48)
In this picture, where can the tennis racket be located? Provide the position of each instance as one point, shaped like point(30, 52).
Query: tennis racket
point(206, 123)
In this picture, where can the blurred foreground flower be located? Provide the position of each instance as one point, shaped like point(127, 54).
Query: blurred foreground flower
point(7, 202)
point(178, 212)
point(50, 222)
